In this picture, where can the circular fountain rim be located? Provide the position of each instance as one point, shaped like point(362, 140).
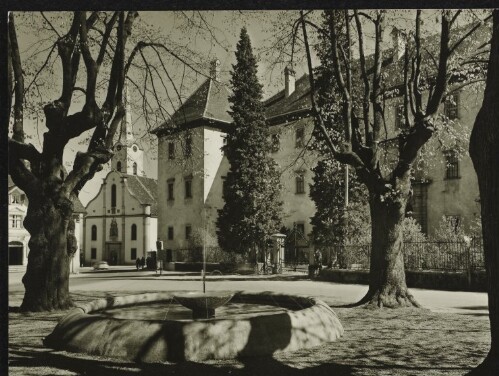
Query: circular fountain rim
point(82, 330)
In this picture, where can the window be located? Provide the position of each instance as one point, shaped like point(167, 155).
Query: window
point(94, 232)
point(224, 186)
point(170, 232)
point(451, 106)
point(417, 208)
point(93, 253)
point(188, 187)
point(451, 165)
point(300, 137)
point(454, 222)
point(188, 146)
point(188, 232)
point(224, 146)
point(134, 148)
point(170, 185)
point(133, 232)
point(300, 229)
point(399, 116)
point(14, 199)
point(133, 253)
point(275, 143)
point(113, 196)
point(16, 221)
point(118, 166)
point(135, 168)
point(300, 184)
point(171, 150)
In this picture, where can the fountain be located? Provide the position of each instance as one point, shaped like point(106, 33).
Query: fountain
point(203, 304)
point(249, 325)
point(153, 328)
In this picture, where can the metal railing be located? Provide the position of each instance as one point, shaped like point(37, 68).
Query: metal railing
point(427, 255)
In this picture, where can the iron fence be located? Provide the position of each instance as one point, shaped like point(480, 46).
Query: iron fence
point(427, 255)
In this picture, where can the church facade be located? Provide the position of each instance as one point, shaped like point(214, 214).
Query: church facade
point(121, 221)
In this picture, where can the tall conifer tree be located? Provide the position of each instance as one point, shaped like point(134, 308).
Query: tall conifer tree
point(252, 210)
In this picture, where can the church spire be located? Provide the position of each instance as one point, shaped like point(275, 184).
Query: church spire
point(126, 134)
point(128, 157)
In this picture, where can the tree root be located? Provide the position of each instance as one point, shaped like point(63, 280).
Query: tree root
point(489, 367)
point(388, 298)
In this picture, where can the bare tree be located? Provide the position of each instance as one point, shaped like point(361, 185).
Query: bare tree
point(94, 63)
point(485, 156)
point(362, 92)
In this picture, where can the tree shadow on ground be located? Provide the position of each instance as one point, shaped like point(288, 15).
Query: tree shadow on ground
point(105, 367)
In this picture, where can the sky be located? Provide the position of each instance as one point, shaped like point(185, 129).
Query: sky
point(188, 35)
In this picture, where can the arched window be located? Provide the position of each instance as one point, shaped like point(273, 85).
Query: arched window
point(134, 168)
point(113, 196)
point(118, 166)
point(94, 232)
point(134, 232)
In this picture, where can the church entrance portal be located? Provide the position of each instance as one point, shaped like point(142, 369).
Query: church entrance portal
point(113, 254)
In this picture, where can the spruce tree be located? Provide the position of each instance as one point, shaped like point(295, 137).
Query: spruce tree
point(252, 210)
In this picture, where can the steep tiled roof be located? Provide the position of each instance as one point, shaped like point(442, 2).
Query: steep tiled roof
point(299, 100)
point(209, 101)
point(145, 190)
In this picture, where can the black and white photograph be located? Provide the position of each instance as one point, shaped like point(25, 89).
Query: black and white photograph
point(250, 191)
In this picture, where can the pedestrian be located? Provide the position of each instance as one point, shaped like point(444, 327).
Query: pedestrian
point(137, 263)
point(143, 262)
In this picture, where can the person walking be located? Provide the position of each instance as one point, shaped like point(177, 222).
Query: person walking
point(137, 263)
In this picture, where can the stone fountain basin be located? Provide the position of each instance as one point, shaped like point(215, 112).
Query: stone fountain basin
point(87, 329)
point(196, 300)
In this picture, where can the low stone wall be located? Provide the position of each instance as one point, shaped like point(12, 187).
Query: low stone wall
point(452, 281)
point(312, 323)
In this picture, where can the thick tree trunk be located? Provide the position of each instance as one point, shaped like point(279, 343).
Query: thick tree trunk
point(387, 285)
point(484, 151)
point(46, 280)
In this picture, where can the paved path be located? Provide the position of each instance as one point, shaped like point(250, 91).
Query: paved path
point(128, 279)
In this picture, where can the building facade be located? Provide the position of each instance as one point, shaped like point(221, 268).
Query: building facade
point(192, 167)
point(190, 185)
point(19, 236)
point(121, 221)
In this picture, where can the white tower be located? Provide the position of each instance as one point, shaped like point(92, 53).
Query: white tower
point(128, 156)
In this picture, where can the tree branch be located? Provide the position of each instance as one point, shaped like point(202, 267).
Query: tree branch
point(19, 150)
point(365, 79)
point(15, 58)
point(348, 157)
point(465, 36)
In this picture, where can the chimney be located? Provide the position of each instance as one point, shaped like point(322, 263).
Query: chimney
point(289, 81)
point(399, 41)
point(215, 70)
